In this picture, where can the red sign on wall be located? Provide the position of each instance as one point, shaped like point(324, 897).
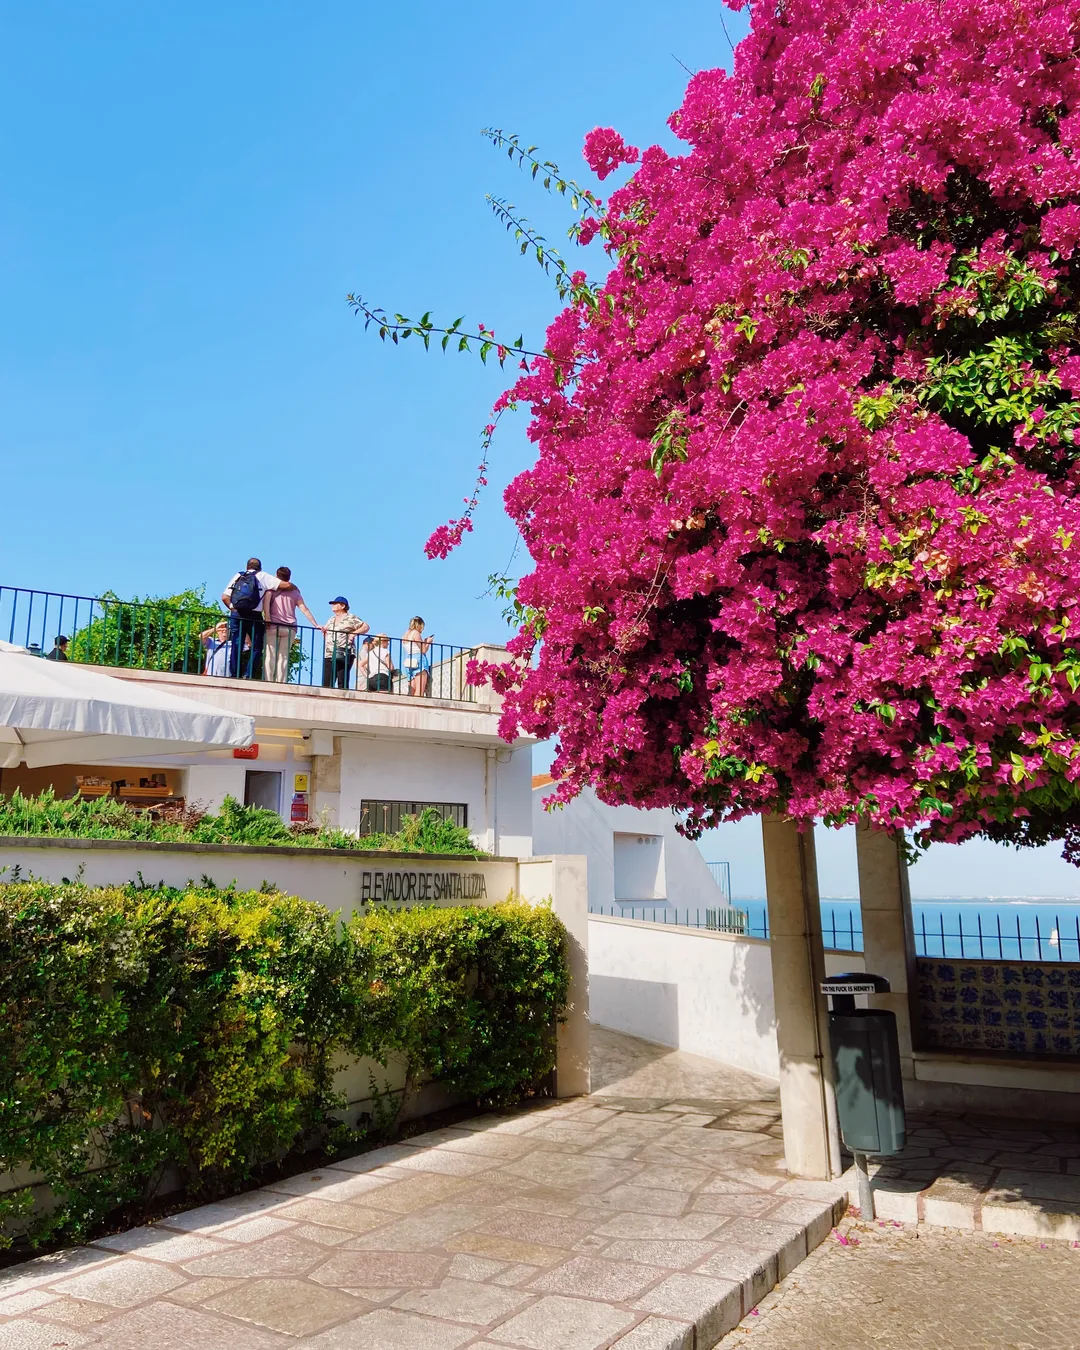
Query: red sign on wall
point(247, 752)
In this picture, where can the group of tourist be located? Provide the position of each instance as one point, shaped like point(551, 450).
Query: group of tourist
point(258, 638)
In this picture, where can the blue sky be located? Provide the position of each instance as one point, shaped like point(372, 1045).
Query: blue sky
point(188, 196)
point(187, 193)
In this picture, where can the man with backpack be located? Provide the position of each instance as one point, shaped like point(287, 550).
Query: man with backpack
point(243, 598)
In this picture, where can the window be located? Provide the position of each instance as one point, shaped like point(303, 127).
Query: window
point(639, 867)
point(385, 817)
point(262, 789)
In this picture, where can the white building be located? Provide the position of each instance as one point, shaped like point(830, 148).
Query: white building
point(636, 857)
point(356, 759)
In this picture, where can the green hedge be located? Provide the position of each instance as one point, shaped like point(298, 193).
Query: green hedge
point(149, 1035)
point(49, 816)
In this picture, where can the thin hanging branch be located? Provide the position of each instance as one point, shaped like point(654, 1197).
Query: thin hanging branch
point(397, 328)
point(545, 171)
point(529, 239)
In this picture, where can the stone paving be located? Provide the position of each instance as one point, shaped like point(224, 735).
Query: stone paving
point(983, 1173)
point(927, 1287)
point(652, 1216)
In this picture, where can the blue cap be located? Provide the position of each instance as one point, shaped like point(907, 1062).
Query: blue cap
point(339, 600)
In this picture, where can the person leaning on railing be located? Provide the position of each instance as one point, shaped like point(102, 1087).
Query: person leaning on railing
point(416, 658)
point(215, 642)
point(379, 664)
point(339, 634)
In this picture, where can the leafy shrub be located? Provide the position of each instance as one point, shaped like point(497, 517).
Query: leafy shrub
point(149, 633)
point(106, 818)
point(154, 1034)
point(466, 996)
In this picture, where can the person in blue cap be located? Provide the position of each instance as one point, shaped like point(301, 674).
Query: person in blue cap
point(339, 643)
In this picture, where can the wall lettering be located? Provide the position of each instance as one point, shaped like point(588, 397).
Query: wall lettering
point(425, 888)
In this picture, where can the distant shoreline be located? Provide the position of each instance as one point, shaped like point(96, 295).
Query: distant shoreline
point(933, 900)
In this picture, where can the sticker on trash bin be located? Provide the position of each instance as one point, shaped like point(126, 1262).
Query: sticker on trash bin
point(853, 988)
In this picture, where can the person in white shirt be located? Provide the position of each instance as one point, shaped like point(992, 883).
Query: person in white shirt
point(339, 636)
point(380, 665)
point(243, 598)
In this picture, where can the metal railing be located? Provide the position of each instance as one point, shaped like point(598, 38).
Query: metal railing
point(936, 935)
point(724, 919)
point(721, 874)
point(1054, 939)
point(387, 817)
point(136, 635)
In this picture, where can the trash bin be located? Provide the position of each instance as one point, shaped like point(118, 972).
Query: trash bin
point(866, 1061)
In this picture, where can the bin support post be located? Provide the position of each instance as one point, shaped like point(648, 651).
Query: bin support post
point(807, 1100)
point(866, 1194)
point(888, 940)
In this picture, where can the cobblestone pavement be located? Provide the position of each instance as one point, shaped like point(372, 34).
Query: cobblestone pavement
point(988, 1173)
point(650, 1216)
point(920, 1289)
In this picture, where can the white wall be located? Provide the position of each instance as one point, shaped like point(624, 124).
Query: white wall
point(709, 993)
point(639, 867)
point(493, 784)
point(512, 803)
point(209, 784)
point(587, 826)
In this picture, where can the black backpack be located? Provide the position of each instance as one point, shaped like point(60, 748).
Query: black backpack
point(245, 595)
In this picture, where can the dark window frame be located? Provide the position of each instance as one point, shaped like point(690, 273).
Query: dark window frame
point(384, 815)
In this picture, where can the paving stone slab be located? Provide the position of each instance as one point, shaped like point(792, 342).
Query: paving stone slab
point(595, 1277)
point(280, 1255)
point(354, 1218)
point(25, 1302)
point(662, 1226)
point(159, 1244)
point(713, 1305)
point(391, 1329)
point(291, 1306)
point(389, 1269)
point(73, 1312)
point(657, 1333)
point(464, 1301)
point(755, 1271)
point(122, 1284)
point(556, 1323)
point(506, 1249)
point(671, 1254)
point(788, 1241)
point(165, 1326)
point(27, 1335)
point(43, 1269)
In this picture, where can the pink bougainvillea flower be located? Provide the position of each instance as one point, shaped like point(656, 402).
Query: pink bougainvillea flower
point(805, 514)
point(606, 151)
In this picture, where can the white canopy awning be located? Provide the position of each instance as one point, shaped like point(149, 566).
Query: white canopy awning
point(55, 712)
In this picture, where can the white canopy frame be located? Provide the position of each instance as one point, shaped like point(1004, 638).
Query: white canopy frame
point(55, 712)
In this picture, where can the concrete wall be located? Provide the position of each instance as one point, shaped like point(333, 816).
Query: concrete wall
point(709, 993)
point(588, 827)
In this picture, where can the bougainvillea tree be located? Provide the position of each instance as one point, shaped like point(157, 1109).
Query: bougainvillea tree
point(805, 514)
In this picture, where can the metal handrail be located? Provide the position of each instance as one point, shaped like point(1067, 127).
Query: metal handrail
point(141, 635)
point(944, 940)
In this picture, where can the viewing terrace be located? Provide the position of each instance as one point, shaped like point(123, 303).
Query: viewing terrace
point(125, 635)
